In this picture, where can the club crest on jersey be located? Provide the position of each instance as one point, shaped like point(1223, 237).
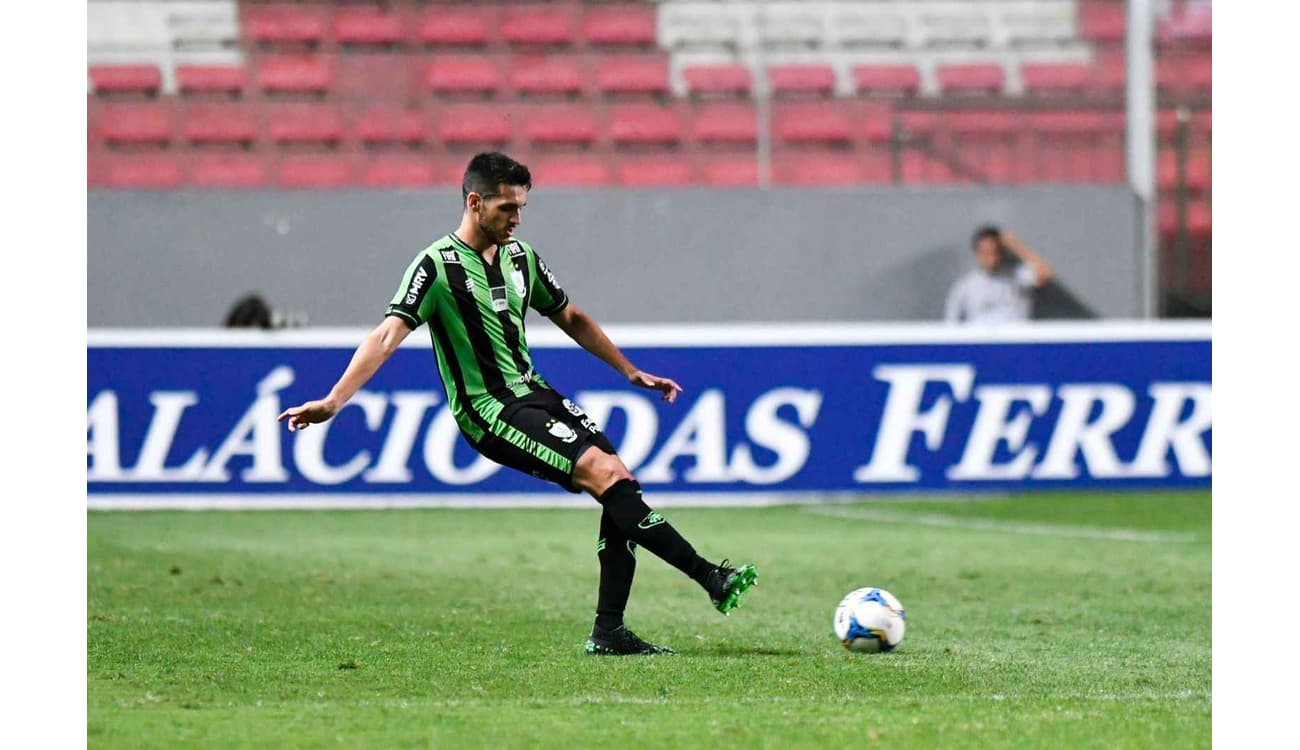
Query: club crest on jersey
point(563, 432)
point(517, 276)
point(449, 256)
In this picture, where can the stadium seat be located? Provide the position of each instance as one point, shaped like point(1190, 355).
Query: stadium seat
point(464, 75)
point(1197, 169)
point(142, 171)
point(368, 75)
point(452, 26)
point(368, 26)
point(284, 24)
point(886, 79)
point(473, 124)
point(1076, 122)
point(227, 171)
point(387, 170)
point(819, 169)
point(110, 80)
point(296, 74)
point(572, 125)
point(539, 25)
point(670, 171)
point(1109, 74)
point(970, 79)
point(571, 171)
point(210, 79)
point(713, 80)
point(314, 171)
point(984, 123)
point(632, 75)
point(920, 122)
point(1184, 77)
point(793, 80)
point(304, 125)
point(142, 124)
point(1055, 79)
point(734, 123)
point(218, 124)
point(731, 171)
point(1102, 20)
point(561, 75)
point(389, 126)
point(811, 123)
point(620, 25)
point(640, 124)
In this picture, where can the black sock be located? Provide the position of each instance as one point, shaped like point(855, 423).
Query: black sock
point(623, 504)
point(617, 567)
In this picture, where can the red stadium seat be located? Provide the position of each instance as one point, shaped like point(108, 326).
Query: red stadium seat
point(125, 79)
point(645, 124)
point(571, 171)
point(1198, 169)
point(1184, 76)
point(622, 25)
point(144, 171)
point(632, 75)
point(811, 123)
point(548, 75)
point(210, 79)
point(819, 169)
point(920, 122)
point(1050, 80)
point(314, 171)
point(971, 79)
point(572, 125)
point(877, 118)
point(305, 125)
point(457, 26)
point(1102, 20)
point(731, 171)
point(136, 124)
point(994, 123)
point(718, 79)
point(369, 27)
point(464, 75)
point(284, 24)
point(473, 124)
point(218, 124)
point(886, 79)
point(294, 74)
point(726, 123)
point(228, 171)
point(1109, 74)
point(663, 171)
point(388, 126)
point(816, 80)
point(367, 75)
point(398, 171)
point(539, 25)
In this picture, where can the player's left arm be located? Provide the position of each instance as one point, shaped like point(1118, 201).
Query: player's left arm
point(1043, 272)
point(584, 329)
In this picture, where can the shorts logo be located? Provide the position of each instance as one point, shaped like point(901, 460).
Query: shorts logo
point(654, 519)
point(562, 431)
point(449, 256)
point(573, 408)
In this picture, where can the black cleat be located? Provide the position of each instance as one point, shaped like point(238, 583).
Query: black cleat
point(621, 642)
point(725, 585)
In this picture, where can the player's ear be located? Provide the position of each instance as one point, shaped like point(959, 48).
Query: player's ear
point(473, 201)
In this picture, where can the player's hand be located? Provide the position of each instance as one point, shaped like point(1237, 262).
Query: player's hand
point(312, 412)
point(668, 388)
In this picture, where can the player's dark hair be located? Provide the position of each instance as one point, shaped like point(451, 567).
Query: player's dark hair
point(487, 171)
point(249, 311)
point(988, 230)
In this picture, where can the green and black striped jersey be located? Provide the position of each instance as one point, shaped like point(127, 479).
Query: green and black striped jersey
point(475, 311)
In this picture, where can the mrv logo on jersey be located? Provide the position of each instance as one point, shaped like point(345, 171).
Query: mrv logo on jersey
point(797, 418)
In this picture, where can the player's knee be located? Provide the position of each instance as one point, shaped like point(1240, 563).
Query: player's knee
point(597, 471)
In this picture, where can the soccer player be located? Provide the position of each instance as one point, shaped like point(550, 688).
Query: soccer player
point(473, 287)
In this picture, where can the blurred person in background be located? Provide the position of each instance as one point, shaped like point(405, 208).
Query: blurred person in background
point(1000, 289)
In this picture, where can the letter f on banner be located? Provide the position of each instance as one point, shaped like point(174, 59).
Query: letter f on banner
point(903, 416)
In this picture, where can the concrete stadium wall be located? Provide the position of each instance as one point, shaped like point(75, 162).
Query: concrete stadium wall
point(182, 258)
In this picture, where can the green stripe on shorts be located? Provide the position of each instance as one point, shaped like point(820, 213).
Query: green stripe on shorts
point(532, 447)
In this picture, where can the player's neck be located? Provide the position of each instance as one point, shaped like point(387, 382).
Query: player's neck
point(469, 233)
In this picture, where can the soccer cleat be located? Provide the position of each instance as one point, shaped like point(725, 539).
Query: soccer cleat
point(621, 642)
point(726, 585)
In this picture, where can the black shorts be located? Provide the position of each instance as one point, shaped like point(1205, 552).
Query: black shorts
point(542, 434)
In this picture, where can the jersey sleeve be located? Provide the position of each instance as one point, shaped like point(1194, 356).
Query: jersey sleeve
point(413, 302)
point(545, 295)
point(953, 308)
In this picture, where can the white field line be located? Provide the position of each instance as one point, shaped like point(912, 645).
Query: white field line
point(1005, 527)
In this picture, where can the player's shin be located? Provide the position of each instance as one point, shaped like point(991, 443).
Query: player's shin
point(616, 553)
point(623, 504)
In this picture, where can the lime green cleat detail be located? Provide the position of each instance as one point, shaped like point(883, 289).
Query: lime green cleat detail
point(726, 585)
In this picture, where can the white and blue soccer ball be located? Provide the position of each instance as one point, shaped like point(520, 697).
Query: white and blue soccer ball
point(870, 620)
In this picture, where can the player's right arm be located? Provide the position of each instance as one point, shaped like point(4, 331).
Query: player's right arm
point(373, 352)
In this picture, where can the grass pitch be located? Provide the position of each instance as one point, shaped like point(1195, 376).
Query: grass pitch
point(1061, 620)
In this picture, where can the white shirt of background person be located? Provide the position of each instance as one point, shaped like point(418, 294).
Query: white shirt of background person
point(992, 293)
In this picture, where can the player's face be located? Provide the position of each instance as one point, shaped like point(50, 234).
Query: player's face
point(988, 254)
point(499, 214)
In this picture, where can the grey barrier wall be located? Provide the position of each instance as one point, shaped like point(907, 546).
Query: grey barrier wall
point(628, 256)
